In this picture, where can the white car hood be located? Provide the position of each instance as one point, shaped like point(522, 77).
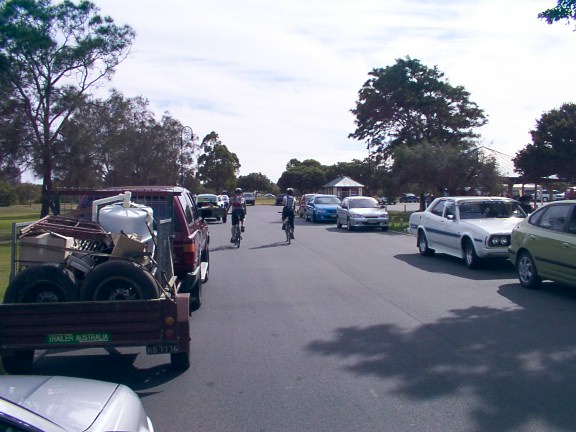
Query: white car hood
point(76, 404)
point(368, 212)
point(493, 225)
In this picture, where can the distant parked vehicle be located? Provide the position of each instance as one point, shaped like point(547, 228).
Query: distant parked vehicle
point(280, 199)
point(385, 200)
point(361, 211)
point(250, 198)
point(409, 198)
point(322, 208)
point(303, 203)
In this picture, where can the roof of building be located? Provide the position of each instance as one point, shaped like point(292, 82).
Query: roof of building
point(343, 182)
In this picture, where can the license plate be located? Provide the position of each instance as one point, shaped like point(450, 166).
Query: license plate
point(372, 221)
point(162, 349)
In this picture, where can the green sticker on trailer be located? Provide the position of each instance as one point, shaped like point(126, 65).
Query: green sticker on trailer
point(77, 338)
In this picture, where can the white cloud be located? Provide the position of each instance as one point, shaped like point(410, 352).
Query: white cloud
point(276, 79)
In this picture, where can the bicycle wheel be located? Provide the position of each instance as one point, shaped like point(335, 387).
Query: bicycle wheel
point(238, 236)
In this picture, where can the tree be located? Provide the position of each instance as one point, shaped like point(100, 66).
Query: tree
point(437, 169)
point(217, 166)
point(409, 103)
point(256, 182)
point(553, 148)
point(565, 9)
point(52, 55)
point(119, 141)
point(304, 177)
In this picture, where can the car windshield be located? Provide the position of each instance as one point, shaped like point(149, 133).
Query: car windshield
point(327, 200)
point(207, 199)
point(364, 203)
point(490, 209)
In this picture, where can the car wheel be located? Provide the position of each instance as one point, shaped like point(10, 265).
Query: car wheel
point(349, 225)
point(307, 217)
point(469, 254)
point(119, 280)
point(314, 220)
point(39, 284)
point(384, 228)
point(527, 273)
point(338, 224)
point(224, 219)
point(423, 245)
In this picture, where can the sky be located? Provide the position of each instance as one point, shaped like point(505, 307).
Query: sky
point(276, 79)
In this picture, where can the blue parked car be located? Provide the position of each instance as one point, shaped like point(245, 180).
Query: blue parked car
point(322, 208)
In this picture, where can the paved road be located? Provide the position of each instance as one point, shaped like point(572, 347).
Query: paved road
point(355, 331)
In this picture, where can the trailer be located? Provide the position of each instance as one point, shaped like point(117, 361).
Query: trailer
point(98, 293)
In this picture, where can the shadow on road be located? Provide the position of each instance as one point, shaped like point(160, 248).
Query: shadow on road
point(518, 364)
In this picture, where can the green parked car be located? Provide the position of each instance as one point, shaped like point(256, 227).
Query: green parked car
point(543, 246)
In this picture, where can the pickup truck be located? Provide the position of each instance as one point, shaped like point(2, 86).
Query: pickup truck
point(74, 285)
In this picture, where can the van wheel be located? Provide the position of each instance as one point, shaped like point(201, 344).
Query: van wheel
point(40, 284)
point(20, 363)
point(224, 218)
point(119, 280)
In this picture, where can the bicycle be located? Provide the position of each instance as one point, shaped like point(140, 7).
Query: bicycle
point(238, 233)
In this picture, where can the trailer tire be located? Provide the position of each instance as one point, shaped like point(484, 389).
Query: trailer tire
point(40, 284)
point(180, 361)
point(20, 363)
point(119, 280)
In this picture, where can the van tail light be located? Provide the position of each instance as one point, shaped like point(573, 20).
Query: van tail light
point(189, 250)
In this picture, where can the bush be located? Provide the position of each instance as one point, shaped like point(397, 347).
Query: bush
point(8, 195)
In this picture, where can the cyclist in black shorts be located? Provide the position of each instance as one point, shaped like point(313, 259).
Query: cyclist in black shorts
point(238, 205)
point(289, 208)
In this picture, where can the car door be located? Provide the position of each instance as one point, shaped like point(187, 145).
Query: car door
point(553, 243)
point(451, 228)
point(433, 224)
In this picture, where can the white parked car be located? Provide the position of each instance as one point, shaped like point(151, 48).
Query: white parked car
point(468, 227)
point(544, 195)
point(361, 211)
point(65, 404)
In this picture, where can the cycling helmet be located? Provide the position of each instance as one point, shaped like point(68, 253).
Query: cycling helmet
point(238, 191)
point(290, 191)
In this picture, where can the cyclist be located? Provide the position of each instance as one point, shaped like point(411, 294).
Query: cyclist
point(289, 209)
point(238, 205)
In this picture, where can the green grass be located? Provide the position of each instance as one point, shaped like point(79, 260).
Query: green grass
point(9, 215)
point(398, 221)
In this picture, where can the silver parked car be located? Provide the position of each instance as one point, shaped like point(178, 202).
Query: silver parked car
point(361, 211)
point(64, 404)
point(468, 227)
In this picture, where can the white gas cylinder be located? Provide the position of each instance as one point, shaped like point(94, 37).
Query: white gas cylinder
point(135, 219)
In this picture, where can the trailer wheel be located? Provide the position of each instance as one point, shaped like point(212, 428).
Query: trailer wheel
point(40, 284)
point(119, 280)
point(180, 361)
point(19, 363)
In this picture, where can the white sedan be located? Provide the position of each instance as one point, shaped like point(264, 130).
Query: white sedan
point(469, 227)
